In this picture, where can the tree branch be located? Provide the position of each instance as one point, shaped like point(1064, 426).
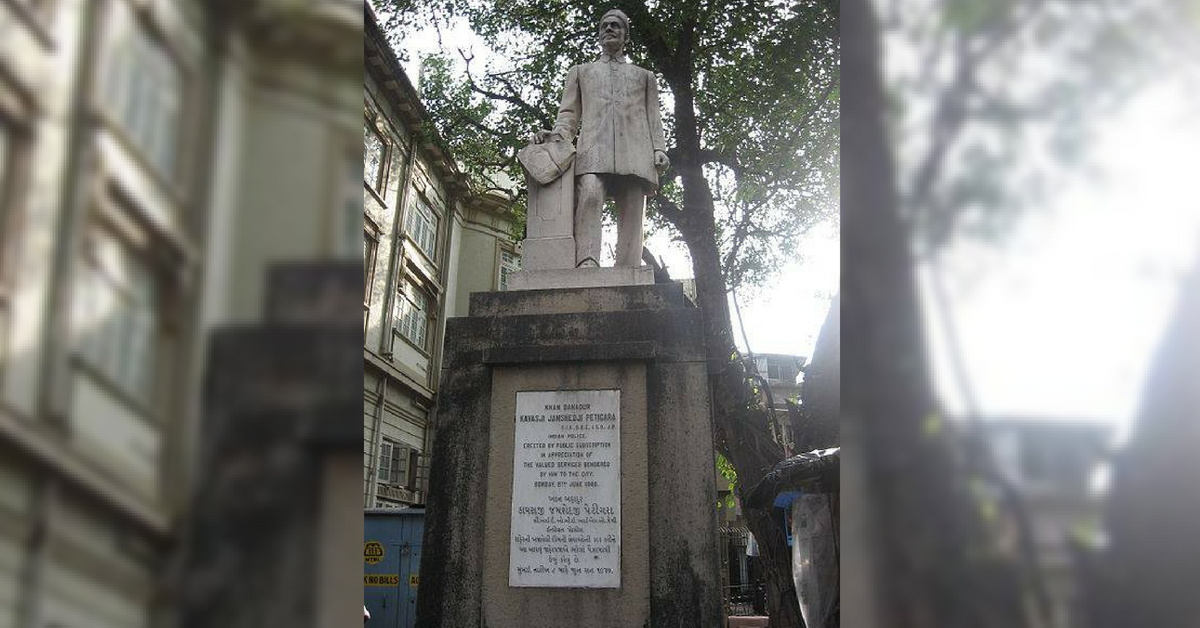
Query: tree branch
point(649, 31)
point(725, 158)
point(743, 229)
point(512, 99)
point(817, 104)
point(950, 114)
point(475, 124)
point(669, 210)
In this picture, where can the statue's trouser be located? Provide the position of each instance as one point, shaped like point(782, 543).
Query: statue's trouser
point(589, 203)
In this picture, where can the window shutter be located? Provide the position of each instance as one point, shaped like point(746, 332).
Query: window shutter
point(413, 463)
point(385, 462)
point(421, 482)
point(399, 464)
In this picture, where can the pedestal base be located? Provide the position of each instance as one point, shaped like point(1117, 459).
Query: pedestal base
point(645, 342)
point(581, 278)
point(548, 253)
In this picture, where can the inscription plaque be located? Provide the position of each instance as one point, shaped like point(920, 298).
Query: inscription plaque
point(566, 499)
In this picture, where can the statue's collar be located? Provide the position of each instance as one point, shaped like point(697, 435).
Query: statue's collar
point(605, 58)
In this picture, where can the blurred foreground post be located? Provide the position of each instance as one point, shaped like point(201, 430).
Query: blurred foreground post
point(279, 495)
point(917, 550)
point(156, 160)
point(1148, 574)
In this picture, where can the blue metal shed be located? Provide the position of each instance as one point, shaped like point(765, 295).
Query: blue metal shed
point(392, 565)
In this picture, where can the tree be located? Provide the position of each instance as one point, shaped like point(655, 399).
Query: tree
point(752, 88)
point(942, 152)
point(921, 538)
point(993, 103)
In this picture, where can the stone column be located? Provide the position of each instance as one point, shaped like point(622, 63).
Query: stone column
point(550, 232)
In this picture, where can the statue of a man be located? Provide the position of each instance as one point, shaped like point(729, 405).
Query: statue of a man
point(620, 152)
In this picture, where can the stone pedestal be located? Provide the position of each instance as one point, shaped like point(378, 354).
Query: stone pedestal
point(572, 475)
point(581, 278)
point(550, 224)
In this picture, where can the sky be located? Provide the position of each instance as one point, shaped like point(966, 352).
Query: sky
point(1063, 320)
point(784, 316)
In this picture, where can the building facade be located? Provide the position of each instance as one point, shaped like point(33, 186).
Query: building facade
point(781, 373)
point(1052, 465)
point(150, 150)
point(428, 243)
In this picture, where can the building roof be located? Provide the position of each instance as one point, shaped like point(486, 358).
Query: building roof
point(382, 62)
point(1034, 423)
point(815, 471)
point(1076, 433)
point(784, 356)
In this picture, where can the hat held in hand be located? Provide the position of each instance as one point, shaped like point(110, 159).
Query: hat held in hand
point(547, 161)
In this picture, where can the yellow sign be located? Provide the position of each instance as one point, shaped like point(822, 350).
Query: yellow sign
point(373, 552)
point(413, 580)
point(381, 580)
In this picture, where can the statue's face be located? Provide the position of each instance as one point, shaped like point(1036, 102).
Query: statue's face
point(612, 34)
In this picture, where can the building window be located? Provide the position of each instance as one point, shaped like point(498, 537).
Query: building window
point(393, 463)
point(412, 315)
point(509, 264)
point(116, 317)
point(784, 370)
point(421, 226)
point(13, 166)
point(9, 146)
point(370, 246)
point(374, 158)
point(43, 7)
point(351, 213)
point(145, 94)
point(10, 208)
point(5, 157)
point(414, 464)
point(41, 10)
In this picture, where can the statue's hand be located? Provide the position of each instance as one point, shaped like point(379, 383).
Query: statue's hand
point(542, 135)
point(661, 163)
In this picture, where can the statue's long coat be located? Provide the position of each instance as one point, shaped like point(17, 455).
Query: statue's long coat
point(613, 105)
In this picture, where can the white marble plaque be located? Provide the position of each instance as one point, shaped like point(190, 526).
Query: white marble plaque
point(566, 504)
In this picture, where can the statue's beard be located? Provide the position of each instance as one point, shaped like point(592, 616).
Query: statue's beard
point(611, 44)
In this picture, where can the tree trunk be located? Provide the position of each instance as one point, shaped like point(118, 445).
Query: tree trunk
point(741, 423)
point(742, 434)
